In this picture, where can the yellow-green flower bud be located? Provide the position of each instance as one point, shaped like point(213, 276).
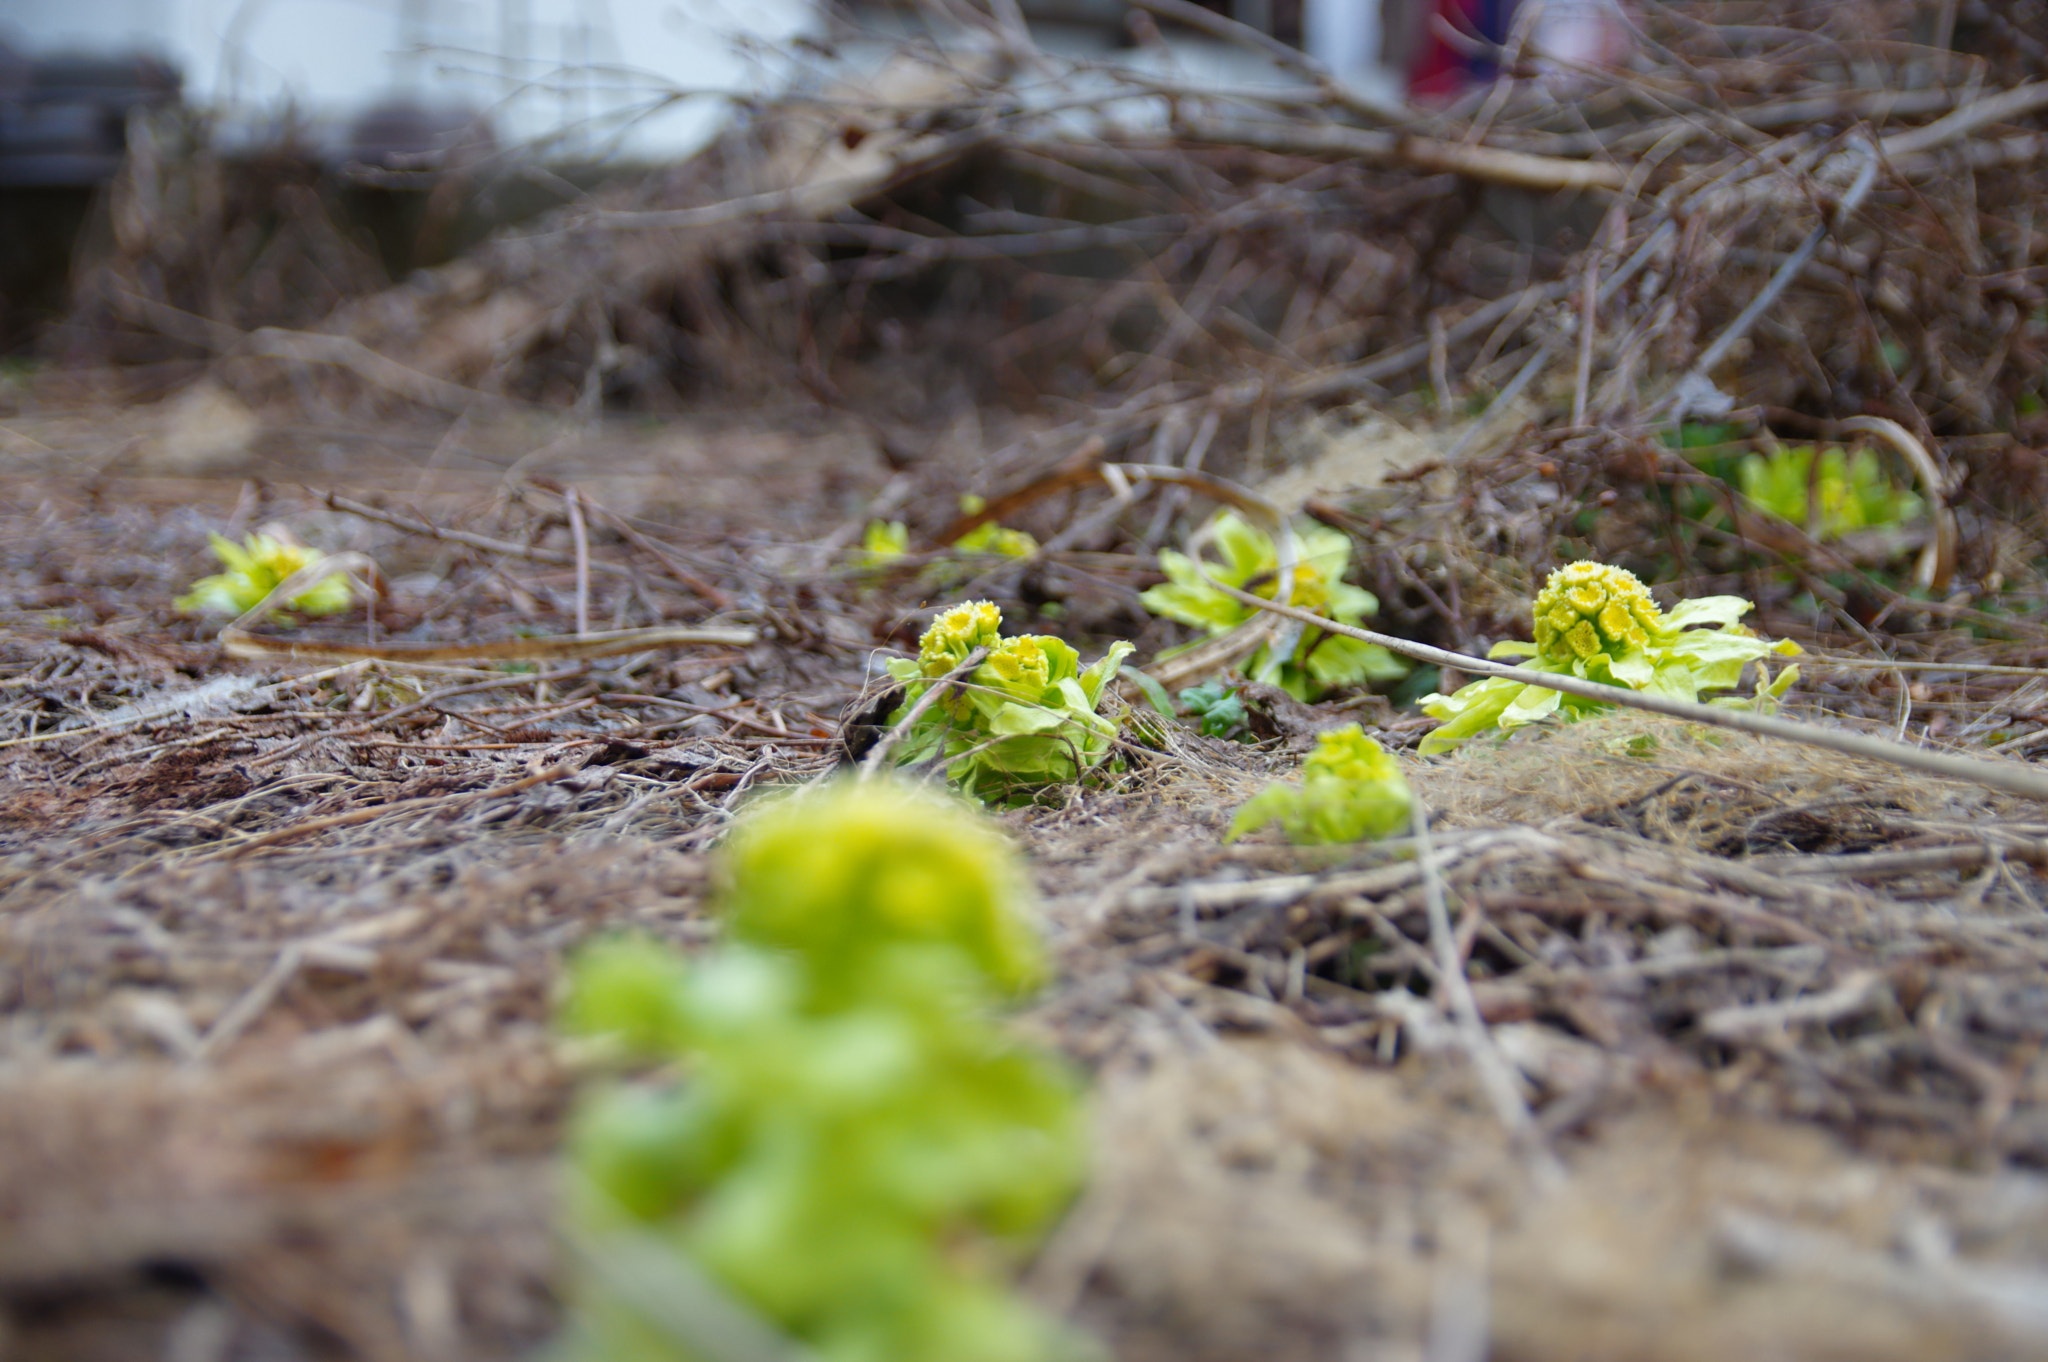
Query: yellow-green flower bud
point(956, 633)
point(1588, 608)
point(834, 875)
point(1019, 665)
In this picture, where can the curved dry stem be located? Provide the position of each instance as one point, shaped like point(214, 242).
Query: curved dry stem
point(1937, 565)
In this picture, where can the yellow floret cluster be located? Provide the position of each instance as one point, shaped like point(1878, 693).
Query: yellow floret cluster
point(1589, 608)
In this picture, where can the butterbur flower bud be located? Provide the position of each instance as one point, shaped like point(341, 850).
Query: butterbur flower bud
point(1021, 666)
point(1025, 719)
point(1589, 608)
point(1599, 623)
point(956, 633)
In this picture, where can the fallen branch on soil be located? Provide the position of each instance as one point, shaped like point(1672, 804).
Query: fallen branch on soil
point(1490, 165)
point(334, 501)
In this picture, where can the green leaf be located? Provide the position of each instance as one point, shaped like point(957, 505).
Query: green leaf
point(1218, 708)
point(1334, 660)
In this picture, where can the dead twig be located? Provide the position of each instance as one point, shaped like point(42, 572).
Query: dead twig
point(296, 831)
point(871, 764)
point(573, 504)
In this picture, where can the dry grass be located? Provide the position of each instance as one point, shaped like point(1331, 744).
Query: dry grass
point(278, 940)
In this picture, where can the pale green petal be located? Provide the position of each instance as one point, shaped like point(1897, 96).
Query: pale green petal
point(1534, 703)
point(1632, 669)
point(1193, 603)
point(1245, 549)
point(1350, 604)
point(1013, 719)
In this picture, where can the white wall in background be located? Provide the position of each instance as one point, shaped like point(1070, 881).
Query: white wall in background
point(573, 73)
point(1344, 35)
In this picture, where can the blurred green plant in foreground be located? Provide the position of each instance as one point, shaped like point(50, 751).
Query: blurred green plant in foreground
point(1351, 789)
point(842, 1145)
point(1599, 623)
point(1848, 491)
point(255, 567)
point(1022, 719)
point(1252, 564)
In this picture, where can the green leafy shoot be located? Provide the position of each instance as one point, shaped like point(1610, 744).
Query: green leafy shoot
point(1217, 709)
point(1847, 492)
point(1599, 623)
point(990, 537)
point(835, 1133)
point(1351, 789)
point(1250, 563)
point(254, 569)
point(1023, 719)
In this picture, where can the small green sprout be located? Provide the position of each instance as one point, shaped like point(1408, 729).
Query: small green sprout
point(1217, 708)
point(837, 1134)
point(885, 541)
point(1849, 492)
point(1599, 623)
point(1024, 718)
point(254, 568)
point(1251, 563)
point(1351, 789)
point(989, 537)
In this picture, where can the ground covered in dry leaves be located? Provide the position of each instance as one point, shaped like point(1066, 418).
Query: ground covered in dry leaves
point(277, 946)
point(1753, 1063)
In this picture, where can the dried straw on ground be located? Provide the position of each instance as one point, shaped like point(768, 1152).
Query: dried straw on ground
point(1663, 1043)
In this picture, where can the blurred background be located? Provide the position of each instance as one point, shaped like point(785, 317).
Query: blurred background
point(364, 93)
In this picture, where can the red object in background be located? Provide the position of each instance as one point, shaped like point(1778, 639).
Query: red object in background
point(1442, 68)
point(1460, 39)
